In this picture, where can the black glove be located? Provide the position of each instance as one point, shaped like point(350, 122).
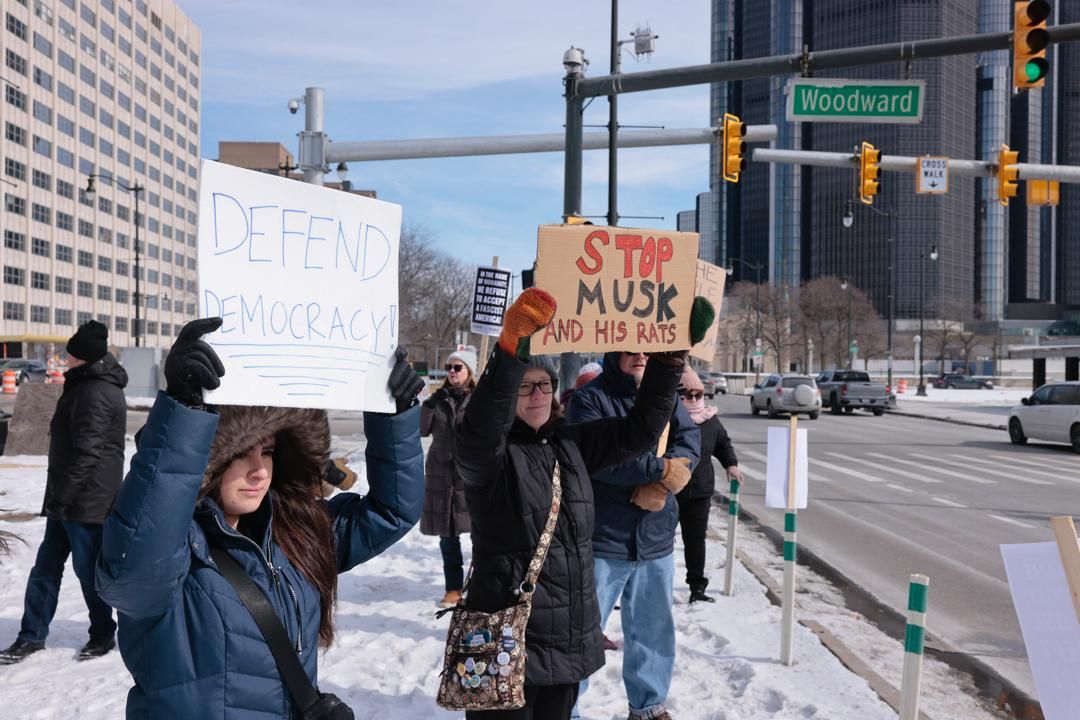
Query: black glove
point(192, 365)
point(404, 383)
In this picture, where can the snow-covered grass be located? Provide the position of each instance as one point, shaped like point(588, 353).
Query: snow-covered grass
point(997, 396)
point(386, 658)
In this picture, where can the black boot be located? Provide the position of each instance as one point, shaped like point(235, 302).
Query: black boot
point(19, 651)
point(697, 591)
point(96, 648)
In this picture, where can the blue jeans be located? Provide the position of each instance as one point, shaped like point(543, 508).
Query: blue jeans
point(643, 590)
point(452, 562)
point(83, 542)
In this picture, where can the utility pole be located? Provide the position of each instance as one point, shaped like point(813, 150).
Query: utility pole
point(613, 123)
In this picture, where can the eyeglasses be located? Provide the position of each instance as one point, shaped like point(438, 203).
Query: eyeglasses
point(691, 394)
point(454, 368)
point(547, 387)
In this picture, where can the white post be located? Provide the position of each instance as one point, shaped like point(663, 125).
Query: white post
point(732, 533)
point(788, 600)
point(914, 636)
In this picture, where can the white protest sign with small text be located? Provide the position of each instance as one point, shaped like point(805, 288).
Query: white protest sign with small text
point(490, 300)
point(306, 280)
point(776, 475)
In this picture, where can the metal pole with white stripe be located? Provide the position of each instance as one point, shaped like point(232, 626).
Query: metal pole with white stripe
point(914, 636)
point(732, 530)
point(788, 600)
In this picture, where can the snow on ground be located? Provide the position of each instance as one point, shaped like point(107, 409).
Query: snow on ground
point(389, 645)
point(997, 396)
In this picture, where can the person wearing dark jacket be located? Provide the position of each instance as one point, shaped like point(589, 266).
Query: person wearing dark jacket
point(695, 500)
point(509, 442)
point(86, 467)
point(446, 514)
point(245, 480)
point(634, 537)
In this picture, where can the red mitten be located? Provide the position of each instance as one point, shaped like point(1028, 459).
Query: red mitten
point(532, 311)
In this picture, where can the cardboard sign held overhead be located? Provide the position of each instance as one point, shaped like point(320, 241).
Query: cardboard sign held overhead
point(710, 285)
point(616, 288)
point(306, 280)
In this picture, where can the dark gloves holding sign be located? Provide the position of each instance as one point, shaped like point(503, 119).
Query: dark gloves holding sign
point(404, 383)
point(192, 365)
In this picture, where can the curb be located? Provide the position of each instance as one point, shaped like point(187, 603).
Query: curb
point(995, 688)
point(953, 421)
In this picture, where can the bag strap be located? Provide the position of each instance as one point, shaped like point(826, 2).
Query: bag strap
point(288, 664)
point(537, 563)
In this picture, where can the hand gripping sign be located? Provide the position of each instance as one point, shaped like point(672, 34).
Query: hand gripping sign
point(616, 288)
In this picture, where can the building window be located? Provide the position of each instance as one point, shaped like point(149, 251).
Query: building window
point(15, 61)
point(122, 270)
point(14, 240)
point(104, 292)
point(66, 29)
point(42, 45)
point(42, 147)
point(151, 327)
point(14, 204)
point(86, 259)
point(65, 92)
point(14, 168)
point(87, 106)
point(85, 289)
point(62, 317)
point(39, 280)
point(63, 285)
point(64, 221)
point(43, 112)
point(104, 264)
point(43, 11)
point(42, 180)
point(41, 213)
point(14, 275)
point(43, 79)
point(122, 296)
point(83, 317)
point(65, 126)
point(120, 324)
point(65, 157)
point(39, 247)
point(65, 189)
point(39, 314)
point(15, 97)
point(16, 26)
point(63, 254)
point(86, 228)
point(15, 134)
point(14, 311)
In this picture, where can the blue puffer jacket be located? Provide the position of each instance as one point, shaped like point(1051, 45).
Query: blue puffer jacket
point(623, 531)
point(193, 650)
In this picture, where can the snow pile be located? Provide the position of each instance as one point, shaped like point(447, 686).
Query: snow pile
point(387, 654)
point(1006, 397)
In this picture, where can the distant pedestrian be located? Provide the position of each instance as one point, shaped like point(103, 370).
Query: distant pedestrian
point(86, 467)
point(587, 373)
point(695, 500)
point(446, 513)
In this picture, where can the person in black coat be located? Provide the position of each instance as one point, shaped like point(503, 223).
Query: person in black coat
point(86, 468)
point(508, 444)
point(695, 499)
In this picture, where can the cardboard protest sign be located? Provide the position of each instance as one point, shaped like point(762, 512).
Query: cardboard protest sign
point(1048, 622)
point(490, 300)
point(616, 288)
point(306, 280)
point(710, 285)
point(776, 470)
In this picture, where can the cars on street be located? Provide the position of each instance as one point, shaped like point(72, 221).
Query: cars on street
point(29, 370)
point(708, 385)
point(1052, 413)
point(957, 381)
point(715, 383)
point(849, 390)
point(793, 394)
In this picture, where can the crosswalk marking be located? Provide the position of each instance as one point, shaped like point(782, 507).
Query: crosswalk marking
point(815, 476)
point(1011, 521)
point(997, 470)
point(930, 468)
point(894, 471)
point(901, 488)
point(1042, 467)
point(944, 501)
point(845, 471)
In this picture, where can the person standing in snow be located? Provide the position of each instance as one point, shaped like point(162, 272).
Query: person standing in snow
point(446, 514)
point(695, 500)
point(509, 442)
point(246, 481)
point(86, 467)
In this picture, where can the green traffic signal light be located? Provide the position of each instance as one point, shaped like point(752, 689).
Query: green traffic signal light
point(1036, 69)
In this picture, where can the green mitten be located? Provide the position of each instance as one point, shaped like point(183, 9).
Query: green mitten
point(701, 319)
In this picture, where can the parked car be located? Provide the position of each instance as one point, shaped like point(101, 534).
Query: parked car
point(719, 383)
point(848, 390)
point(788, 394)
point(1052, 413)
point(29, 370)
point(708, 385)
point(961, 382)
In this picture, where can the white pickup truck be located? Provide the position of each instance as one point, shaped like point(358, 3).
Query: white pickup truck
point(848, 390)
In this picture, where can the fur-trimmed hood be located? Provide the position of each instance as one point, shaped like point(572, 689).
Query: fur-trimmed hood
point(303, 440)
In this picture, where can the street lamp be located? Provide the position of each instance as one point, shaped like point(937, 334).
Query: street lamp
point(845, 285)
point(849, 220)
point(757, 268)
point(343, 177)
point(135, 190)
point(933, 255)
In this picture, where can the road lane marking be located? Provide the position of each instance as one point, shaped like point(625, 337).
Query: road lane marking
point(845, 471)
point(894, 471)
point(997, 465)
point(1018, 523)
point(901, 488)
point(1050, 463)
point(816, 477)
point(927, 467)
point(943, 501)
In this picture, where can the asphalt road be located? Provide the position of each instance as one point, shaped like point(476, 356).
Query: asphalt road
point(891, 496)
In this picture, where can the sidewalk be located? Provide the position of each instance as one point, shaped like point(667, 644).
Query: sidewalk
point(981, 408)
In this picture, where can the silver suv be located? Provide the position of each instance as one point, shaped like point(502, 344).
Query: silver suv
point(786, 394)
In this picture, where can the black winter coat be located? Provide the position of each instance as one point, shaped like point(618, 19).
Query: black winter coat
point(507, 468)
point(86, 444)
point(715, 443)
point(445, 510)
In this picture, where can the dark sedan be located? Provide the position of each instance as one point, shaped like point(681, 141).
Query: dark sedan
point(29, 370)
point(962, 382)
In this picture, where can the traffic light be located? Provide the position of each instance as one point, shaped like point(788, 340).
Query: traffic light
point(1030, 39)
point(733, 150)
point(1043, 192)
point(1008, 174)
point(869, 170)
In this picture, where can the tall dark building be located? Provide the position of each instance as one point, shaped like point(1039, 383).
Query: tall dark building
point(1065, 78)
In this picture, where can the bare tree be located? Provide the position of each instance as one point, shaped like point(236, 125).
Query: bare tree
point(778, 321)
point(823, 318)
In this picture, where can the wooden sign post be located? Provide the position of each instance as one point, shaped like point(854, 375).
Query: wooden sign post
point(1069, 549)
point(790, 547)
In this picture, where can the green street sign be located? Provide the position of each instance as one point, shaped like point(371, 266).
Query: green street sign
point(872, 101)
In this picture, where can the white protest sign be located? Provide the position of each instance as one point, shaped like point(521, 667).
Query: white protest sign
point(776, 475)
point(306, 280)
point(1044, 607)
point(490, 300)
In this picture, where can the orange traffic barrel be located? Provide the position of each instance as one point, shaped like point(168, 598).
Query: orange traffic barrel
point(10, 379)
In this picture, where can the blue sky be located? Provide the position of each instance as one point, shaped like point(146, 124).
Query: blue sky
point(413, 69)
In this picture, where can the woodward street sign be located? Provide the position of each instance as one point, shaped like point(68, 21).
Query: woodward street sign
point(874, 101)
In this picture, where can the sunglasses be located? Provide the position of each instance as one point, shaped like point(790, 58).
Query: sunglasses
point(691, 394)
point(454, 368)
point(547, 387)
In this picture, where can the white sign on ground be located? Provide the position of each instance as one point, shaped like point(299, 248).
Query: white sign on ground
point(490, 299)
point(776, 471)
point(1044, 607)
point(932, 176)
point(306, 280)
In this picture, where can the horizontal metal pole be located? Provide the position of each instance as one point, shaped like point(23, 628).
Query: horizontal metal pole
point(823, 60)
point(518, 144)
point(1061, 173)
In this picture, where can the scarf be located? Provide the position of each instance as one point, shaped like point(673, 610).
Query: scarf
point(699, 411)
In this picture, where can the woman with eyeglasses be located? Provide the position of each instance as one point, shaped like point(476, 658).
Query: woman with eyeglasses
point(508, 445)
point(695, 499)
point(446, 514)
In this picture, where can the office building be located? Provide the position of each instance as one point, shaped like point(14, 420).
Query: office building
point(107, 88)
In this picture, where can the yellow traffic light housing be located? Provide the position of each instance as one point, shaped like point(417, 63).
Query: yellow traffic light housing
point(1030, 39)
point(869, 170)
point(733, 148)
point(1008, 174)
point(1043, 192)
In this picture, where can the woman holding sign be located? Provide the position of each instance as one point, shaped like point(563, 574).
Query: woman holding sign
point(514, 453)
point(220, 521)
